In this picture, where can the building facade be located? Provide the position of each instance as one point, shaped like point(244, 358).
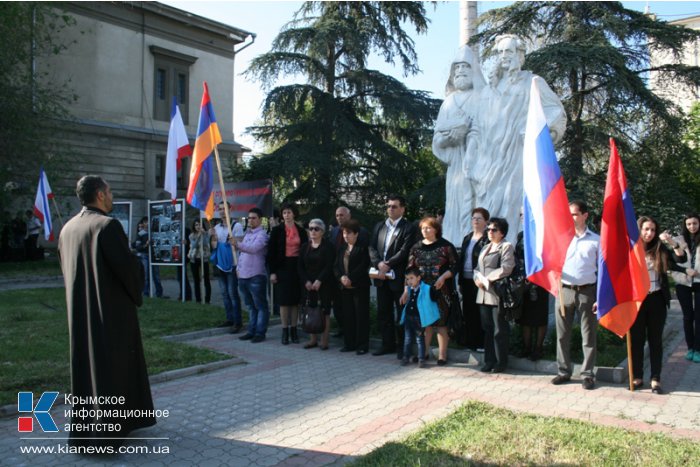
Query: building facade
point(125, 61)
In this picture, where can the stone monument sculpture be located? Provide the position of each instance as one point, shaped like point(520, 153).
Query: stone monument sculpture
point(491, 164)
point(456, 143)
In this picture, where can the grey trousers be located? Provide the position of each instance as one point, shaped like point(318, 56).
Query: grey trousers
point(581, 301)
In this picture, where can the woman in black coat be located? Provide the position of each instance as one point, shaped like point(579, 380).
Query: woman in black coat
point(282, 261)
point(351, 269)
point(316, 259)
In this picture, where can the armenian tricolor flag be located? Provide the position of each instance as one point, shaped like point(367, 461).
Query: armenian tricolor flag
point(623, 279)
point(199, 192)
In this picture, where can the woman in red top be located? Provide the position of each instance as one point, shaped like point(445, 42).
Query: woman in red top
point(282, 259)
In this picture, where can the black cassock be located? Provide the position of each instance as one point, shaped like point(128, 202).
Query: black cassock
point(104, 282)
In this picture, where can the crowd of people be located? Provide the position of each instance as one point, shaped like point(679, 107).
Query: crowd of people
point(426, 287)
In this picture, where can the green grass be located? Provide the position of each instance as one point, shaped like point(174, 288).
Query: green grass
point(34, 347)
point(481, 434)
point(20, 269)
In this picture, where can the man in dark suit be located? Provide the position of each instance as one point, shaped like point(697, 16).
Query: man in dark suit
point(390, 243)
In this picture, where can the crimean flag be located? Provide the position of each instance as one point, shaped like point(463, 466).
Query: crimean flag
point(547, 223)
point(199, 192)
point(41, 205)
point(178, 149)
point(623, 279)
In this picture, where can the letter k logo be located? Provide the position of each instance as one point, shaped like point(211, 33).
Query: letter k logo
point(25, 403)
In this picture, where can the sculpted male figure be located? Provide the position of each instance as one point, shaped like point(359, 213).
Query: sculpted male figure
point(502, 119)
point(455, 142)
point(103, 282)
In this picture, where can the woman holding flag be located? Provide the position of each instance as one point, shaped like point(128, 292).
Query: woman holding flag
point(651, 317)
point(688, 284)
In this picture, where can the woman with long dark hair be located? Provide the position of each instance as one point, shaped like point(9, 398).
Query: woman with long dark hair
point(200, 251)
point(282, 259)
point(688, 284)
point(651, 318)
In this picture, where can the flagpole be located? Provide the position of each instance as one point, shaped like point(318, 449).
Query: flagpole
point(223, 195)
point(202, 284)
point(58, 211)
point(630, 370)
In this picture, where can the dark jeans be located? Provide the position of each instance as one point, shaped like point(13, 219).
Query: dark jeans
point(388, 316)
point(196, 266)
point(254, 292)
point(355, 303)
point(472, 335)
point(649, 325)
point(496, 333)
point(689, 298)
point(156, 278)
point(413, 332)
point(188, 289)
point(228, 283)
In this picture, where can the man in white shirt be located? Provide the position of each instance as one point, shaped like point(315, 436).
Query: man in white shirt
point(578, 293)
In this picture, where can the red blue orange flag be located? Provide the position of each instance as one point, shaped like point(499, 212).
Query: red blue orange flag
point(41, 204)
point(623, 278)
point(547, 223)
point(200, 190)
point(178, 149)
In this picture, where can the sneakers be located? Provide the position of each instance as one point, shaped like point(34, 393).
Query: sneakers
point(696, 357)
point(689, 355)
point(588, 383)
point(560, 379)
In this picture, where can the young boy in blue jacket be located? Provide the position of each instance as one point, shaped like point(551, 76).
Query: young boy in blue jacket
point(420, 311)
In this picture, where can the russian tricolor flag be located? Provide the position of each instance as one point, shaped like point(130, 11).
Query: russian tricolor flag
point(178, 149)
point(623, 278)
point(41, 205)
point(547, 223)
point(200, 190)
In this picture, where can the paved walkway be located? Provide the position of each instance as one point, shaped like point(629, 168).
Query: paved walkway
point(290, 406)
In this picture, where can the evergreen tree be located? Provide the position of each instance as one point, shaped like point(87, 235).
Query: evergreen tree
point(596, 57)
point(30, 104)
point(345, 131)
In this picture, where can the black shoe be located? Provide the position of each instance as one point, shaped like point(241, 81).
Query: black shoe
point(382, 351)
point(415, 359)
point(588, 383)
point(285, 336)
point(225, 324)
point(294, 335)
point(486, 368)
point(441, 362)
point(236, 329)
point(347, 349)
point(257, 339)
point(498, 369)
point(246, 337)
point(560, 379)
point(361, 351)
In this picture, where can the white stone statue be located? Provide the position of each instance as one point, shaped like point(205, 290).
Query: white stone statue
point(456, 143)
point(485, 152)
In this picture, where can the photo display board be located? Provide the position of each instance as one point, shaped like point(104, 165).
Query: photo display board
point(166, 232)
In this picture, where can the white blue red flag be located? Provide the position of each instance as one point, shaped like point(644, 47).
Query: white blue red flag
point(178, 149)
point(623, 278)
point(547, 223)
point(41, 205)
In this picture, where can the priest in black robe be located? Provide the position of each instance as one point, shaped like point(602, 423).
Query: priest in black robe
point(104, 281)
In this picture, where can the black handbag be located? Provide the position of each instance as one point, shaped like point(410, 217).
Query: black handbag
point(510, 291)
point(313, 320)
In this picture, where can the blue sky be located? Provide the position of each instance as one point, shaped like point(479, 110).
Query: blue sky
point(435, 49)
